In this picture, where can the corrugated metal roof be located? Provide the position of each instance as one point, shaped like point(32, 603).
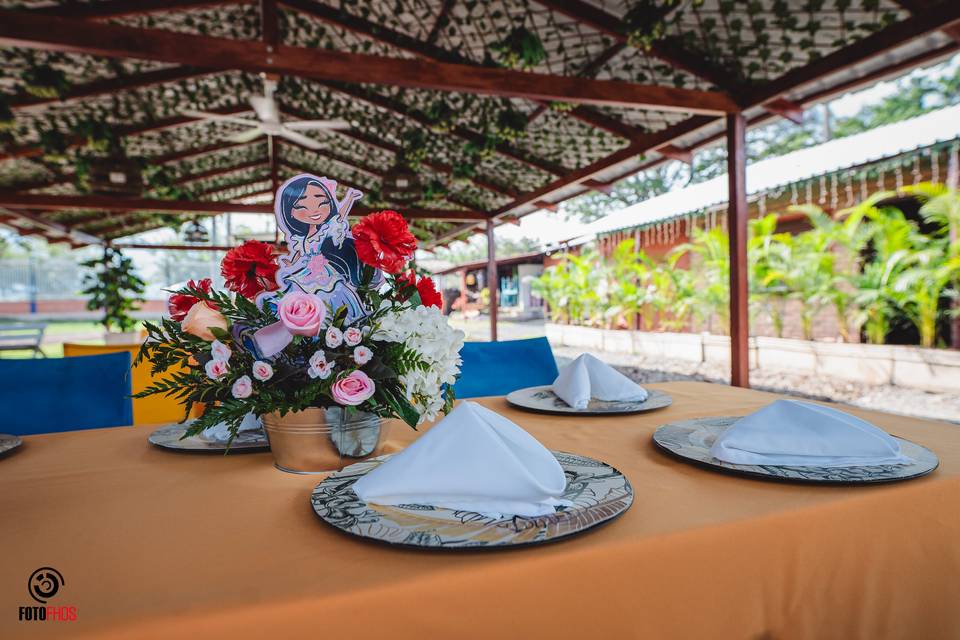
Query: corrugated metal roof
point(763, 176)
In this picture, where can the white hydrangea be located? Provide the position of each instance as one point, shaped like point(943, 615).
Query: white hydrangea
point(426, 331)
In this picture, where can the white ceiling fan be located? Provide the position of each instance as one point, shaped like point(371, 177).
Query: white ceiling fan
point(269, 123)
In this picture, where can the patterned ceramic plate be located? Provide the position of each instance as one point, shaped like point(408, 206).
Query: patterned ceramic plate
point(544, 400)
point(9, 443)
point(599, 492)
point(168, 437)
point(691, 440)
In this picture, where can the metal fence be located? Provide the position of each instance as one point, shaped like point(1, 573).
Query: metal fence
point(23, 279)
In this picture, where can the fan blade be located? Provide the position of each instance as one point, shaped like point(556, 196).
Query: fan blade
point(300, 125)
point(266, 108)
point(206, 115)
point(246, 136)
point(299, 138)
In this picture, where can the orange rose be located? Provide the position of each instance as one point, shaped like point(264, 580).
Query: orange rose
point(200, 319)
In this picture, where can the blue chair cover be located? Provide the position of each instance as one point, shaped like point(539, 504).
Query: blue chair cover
point(497, 368)
point(65, 394)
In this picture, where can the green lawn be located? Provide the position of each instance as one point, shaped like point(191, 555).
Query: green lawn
point(52, 347)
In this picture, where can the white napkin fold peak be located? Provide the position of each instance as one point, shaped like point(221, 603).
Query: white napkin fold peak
point(797, 433)
point(589, 377)
point(472, 460)
point(221, 433)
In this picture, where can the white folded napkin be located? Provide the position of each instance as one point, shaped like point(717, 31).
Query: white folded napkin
point(472, 460)
point(588, 377)
point(796, 433)
point(221, 433)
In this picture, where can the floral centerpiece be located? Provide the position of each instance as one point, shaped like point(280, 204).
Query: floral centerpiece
point(341, 321)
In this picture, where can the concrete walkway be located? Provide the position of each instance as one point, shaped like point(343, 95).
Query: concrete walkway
point(900, 400)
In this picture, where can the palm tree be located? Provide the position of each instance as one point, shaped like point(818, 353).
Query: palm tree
point(712, 248)
point(892, 239)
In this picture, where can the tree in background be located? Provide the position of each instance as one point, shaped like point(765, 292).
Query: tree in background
point(114, 287)
point(913, 96)
point(476, 249)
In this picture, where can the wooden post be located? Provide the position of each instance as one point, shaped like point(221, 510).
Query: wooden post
point(737, 228)
point(492, 279)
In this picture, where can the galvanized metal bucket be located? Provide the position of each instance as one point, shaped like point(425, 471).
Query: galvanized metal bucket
point(321, 440)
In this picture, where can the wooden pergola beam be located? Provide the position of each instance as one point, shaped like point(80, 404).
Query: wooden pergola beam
point(380, 143)
point(66, 233)
point(920, 6)
point(112, 85)
point(401, 110)
point(212, 173)
point(122, 132)
point(669, 50)
point(353, 164)
point(23, 29)
point(429, 51)
point(111, 203)
point(942, 16)
point(587, 173)
point(125, 8)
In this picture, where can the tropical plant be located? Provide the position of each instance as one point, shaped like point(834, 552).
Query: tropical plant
point(768, 291)
point(891, 240)
point(115, 287)
point(712, 251)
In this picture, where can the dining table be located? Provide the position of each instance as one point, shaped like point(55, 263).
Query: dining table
point(151, 543)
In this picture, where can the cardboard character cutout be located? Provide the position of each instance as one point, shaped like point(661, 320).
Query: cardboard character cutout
point(321, 258)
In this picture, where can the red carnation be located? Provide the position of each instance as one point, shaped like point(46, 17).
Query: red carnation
point(250, 268)
point(180, 303)
point(429, 295)
point(384, 241)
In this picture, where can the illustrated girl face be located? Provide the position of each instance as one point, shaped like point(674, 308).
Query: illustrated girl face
point(313, 207)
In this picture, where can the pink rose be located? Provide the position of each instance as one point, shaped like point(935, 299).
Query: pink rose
point(220, 351)
point(262, 371)
point(319, 367)
point(200, 319)
point(242, 388)
point(352, 389)
point(302, 313)
point(216, 369)
point(352, 336)
point(362, 355)
point(334, 337)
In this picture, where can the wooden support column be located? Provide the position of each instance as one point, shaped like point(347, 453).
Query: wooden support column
point(737, 228)
point(492, 278)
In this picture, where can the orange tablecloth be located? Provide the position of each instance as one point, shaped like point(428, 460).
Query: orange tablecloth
point(153, 544)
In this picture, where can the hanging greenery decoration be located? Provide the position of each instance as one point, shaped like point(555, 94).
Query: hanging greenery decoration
point(414, 148)
point(6, 114)
point(435, 190)
point(511, 124)
point(521, 49)
point(44, 81)
point(54, 145)
point(646, 22)
point(442, 116)
point(99, 135)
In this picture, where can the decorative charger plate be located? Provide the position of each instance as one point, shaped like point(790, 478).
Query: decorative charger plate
point(691, 440)
point(168, 437)
point(9, 443)
point(543, 400)
point(599, 492)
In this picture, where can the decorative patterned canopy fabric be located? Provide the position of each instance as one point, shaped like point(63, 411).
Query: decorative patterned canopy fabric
point(493, 154)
